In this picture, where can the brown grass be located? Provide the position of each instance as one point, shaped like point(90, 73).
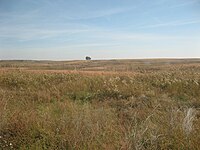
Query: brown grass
point(141, 109)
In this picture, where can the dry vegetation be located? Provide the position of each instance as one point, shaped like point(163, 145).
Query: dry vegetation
point(154, 105)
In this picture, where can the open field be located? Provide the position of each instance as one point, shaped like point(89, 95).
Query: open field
point(100, 104)
point(103, 65)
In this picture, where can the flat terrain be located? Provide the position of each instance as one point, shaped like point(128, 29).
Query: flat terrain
point(100, 104)
point(103, 65)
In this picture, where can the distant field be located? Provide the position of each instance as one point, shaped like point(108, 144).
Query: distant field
point(100, 104)
point(136, 65)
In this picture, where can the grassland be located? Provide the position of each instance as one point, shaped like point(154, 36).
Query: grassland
point(116, 104)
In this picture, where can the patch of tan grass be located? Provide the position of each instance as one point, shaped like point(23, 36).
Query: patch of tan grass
point(79, 111)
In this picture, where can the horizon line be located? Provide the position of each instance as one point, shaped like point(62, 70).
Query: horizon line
point(140, 58)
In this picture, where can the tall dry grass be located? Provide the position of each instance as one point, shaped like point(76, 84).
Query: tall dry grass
point(72, 111)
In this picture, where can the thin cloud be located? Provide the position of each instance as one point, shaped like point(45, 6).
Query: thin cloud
point(124, 37)
point(81, 14)
point(87, 45)
point(170, 24)
point(33, 34)
point(98, 14)
point(187, 3)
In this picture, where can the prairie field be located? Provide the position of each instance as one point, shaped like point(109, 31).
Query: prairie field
point(100, 104)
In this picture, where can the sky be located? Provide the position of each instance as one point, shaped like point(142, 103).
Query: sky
point(102, 29)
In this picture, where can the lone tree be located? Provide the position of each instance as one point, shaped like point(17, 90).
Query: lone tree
point(88, 58)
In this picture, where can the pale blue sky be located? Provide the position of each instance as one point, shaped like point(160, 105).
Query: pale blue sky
point(102, 29)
